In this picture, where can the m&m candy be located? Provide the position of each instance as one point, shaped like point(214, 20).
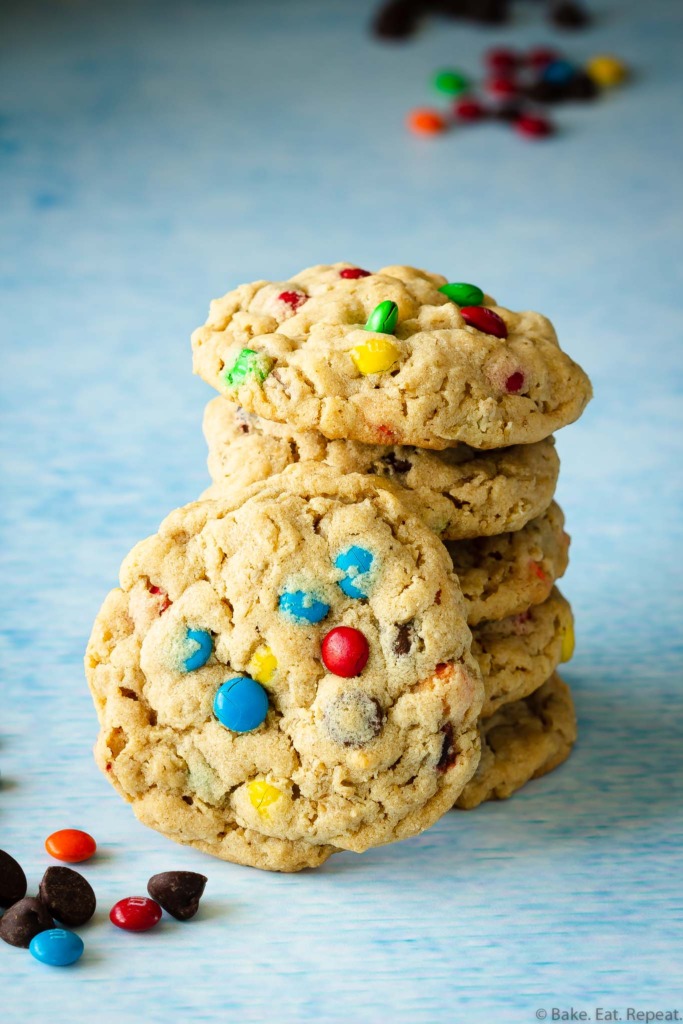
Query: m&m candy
point(56, 947)
point(355, 562)
point(485, 320)
point(345, 651)
point(70, 845)
point(376, 355)
point(383, 318)
point(353, 273)
point(293, 299)
point(249, 364)
point(450, 82)
point(533, 126)
point(424, 121)
point(263, 665)
point(241, 704)
point(262, 796)
point(201, 648)
point(606, 71)
point(135, 914)
point(463, 294)
point(303, 606)
point(567, 643)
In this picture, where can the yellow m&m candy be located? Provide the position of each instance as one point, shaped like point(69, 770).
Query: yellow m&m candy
point(375, 355)
point(262, 665)
point(262, 796)
point(606, 71)
point(567, 643)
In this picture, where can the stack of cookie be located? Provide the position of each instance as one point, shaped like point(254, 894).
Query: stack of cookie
point(383, 464)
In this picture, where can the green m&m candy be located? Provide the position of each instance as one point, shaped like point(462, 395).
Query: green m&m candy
point(463, 294)
point(383, 318)
point(248, 364)
point(451, 82)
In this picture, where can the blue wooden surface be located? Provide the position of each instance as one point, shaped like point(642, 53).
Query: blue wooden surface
point(153, 155)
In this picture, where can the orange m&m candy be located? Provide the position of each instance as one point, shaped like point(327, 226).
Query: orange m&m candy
point(70, 845)
point(425, 121)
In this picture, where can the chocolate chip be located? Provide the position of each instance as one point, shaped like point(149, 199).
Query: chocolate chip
point(12, 880)
point(68, 896)
point(568, 14)
point(353, 719)
point(546, 92)
point(404, 639)
point(448, 754)
point(581, 87)
point(178, 892)
point(396, 20)
point(508, 112)
point(392, 462)
point(23, 920)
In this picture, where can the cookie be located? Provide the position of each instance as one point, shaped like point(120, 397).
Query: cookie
point(517, 654)
point(505, 575)
point(522, 741)
point(287, 672)
point(389, 358)
point(459, 492)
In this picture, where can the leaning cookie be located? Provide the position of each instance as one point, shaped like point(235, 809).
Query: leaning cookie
point(394, 357)
point(459, 492)
point(287, 672)
point(522, 741)
point(505, 575)
point(517, 654)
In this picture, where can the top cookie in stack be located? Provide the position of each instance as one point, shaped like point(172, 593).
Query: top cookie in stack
point(396, 357)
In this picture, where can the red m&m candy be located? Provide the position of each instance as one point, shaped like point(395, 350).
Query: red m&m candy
point(501, 88)
point(70, 845)
point(345, 651)
point(135, 914)
point(515, 382)
point(353, 273)
point(533, 126)
point(468, 110)
point(485, 320)
point(501, 59)
point(293, 299)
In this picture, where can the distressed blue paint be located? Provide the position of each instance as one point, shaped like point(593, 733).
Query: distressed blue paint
point(195, 146)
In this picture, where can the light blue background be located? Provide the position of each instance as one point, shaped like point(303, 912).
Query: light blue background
point(153, 155)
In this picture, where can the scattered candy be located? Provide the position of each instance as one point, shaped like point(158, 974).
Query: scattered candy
point(558, 71)
point(12, 880)
point(70, 845)
point(567, 643)
point(485, 320)
point(248, 364)
point(501, 88)
point(241, 704)
point(383, 318)
point(345, 651)
point(178, 892)
point(606, 71)
point(469, 110)
point(202, 642)
point(293, 299)
point(501, 59)
point(353, 719)
point(533, 126)
point(164, 602)
point(68, 896)
point(451, 82)
point(424, 121)
point(135, 914)
point(540, 56)
point(463, 294)
point(355, 562)
point(263, 665)
point(375, 356)
point(23, 920)
point(262, 796)
point(303, 607)
point(56, 947)
point(353, 273)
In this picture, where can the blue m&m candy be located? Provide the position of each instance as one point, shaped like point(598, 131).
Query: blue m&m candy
point(56, 947)
point(241, 704)
point(302, 606)
point(356, 562)
point(559, 72)
point(200, 644)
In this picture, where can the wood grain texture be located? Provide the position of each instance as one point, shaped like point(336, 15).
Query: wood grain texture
point(153, 155)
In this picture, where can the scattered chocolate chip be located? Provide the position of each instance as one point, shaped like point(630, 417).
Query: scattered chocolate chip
point(392, 462)
point(568, 14)
point(581, 87)
point(23, 920)
point(507, 112)
point(448, 754)
point(404, 639)
point(396, 20)
point(242, 420)
point(353, 719)
point(12, 880)
point(178, 892)
point(68, 896)
point(546, 92)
